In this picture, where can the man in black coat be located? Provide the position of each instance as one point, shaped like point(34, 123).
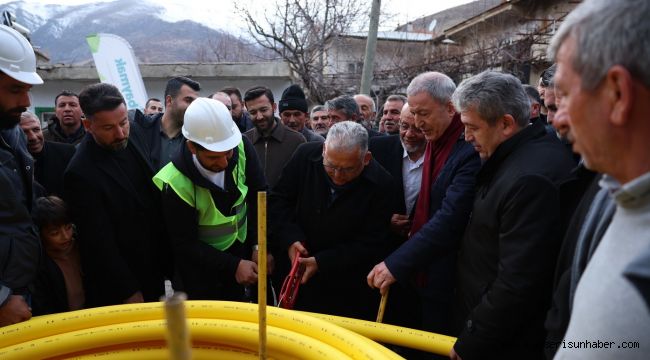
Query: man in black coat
point(50, 158)
point(332, 204)
point(116, 207)
point(19, 243)
point(508, 252)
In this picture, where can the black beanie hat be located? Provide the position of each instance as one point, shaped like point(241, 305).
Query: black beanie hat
point(293, 98)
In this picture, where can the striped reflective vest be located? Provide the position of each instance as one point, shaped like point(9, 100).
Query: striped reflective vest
point(215, 229)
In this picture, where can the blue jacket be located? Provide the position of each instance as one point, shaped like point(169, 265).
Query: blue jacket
point(433, 247)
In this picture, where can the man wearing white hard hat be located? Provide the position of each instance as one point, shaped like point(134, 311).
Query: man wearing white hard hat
point(209, 204)
point(19, 242)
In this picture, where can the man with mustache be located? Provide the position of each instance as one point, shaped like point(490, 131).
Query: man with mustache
point(320, 120)
point(66, 127)
point(50, 158)
point(293, 112)
point(116, 207)
point(274, 142)
point(19, 242)
point(391, 113)
point(403, 156)
point(367, 109)
point(343, 108)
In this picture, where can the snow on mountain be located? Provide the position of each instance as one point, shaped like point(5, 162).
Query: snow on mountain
point(157, 34)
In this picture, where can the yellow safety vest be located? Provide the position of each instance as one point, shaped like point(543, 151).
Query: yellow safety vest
point(215, 229)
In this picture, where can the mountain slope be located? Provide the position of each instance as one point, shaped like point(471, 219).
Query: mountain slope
point(61, 32)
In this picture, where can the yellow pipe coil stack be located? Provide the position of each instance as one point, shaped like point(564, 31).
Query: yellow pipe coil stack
point(219, 329)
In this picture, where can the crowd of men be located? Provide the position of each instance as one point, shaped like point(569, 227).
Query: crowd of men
point(514, 217)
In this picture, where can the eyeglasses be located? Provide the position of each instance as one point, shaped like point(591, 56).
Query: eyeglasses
point(341, 170)
point(407, 127)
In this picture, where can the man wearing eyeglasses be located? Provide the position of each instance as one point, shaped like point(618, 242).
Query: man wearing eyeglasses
point(332, 206)
point(402, 155)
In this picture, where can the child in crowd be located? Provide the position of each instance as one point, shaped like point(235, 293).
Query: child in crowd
point(59, 285)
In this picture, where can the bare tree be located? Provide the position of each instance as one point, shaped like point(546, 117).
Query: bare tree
point(229, 48)
point(301, 32)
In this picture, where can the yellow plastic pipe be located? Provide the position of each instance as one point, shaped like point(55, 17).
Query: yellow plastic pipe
point(396, 335)
point(161, 352)
point(43, 326)
point(282, 343)
point(356, 346)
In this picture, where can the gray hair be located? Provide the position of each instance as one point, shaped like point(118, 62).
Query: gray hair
point(372, 101)
point(397, 97)
point(607, 33)
point(493, 94)
point(346, 104)
point(29, 115)
point(347, 136)
point(437, 85)
point(317, 108)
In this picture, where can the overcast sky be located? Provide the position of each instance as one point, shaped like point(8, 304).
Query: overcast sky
point(222, 11)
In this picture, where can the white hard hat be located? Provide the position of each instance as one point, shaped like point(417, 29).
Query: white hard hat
point(17, 58)
point(209, 124)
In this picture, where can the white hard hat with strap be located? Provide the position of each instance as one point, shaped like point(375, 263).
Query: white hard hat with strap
point(17, 58)
point(209, 123)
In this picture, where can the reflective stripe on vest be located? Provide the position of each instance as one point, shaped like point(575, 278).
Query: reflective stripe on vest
point(214, 228)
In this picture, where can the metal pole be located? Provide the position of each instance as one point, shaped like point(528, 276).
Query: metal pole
point(178, 339)
point(261, 270)
point(371, 47)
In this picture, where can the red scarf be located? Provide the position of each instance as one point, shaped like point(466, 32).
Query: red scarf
point(435, 157)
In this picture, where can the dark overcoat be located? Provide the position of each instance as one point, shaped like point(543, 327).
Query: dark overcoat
point(122, 242)
point(508, 252)
point(388, 152)
point(347, 234)
point(50, 164)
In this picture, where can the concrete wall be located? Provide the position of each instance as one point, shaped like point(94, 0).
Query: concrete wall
point(349, 52)
point(212, 77)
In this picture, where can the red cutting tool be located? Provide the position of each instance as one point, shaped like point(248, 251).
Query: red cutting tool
point(291, 283)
